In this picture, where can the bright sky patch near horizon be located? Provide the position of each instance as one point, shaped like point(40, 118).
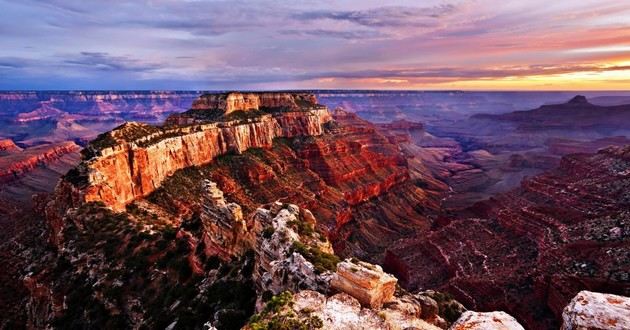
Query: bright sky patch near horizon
point(198, 44)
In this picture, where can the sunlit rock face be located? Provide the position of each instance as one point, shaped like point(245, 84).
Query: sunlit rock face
point(367, 282)
point(235, 101)
point(17, 162)
point(600, 311)
point(486, 321)
point(134, 159)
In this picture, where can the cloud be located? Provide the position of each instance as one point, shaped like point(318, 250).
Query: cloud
point(385, 16)
point(350, 35)
point(105, 62)
point(13, 63)
point(449, 73)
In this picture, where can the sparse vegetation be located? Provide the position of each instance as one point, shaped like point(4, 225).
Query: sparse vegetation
point(150, 268)
point(322, 261)
point(275, 316)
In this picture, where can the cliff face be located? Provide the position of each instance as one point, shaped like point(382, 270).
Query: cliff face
point(230, 102)
point(141, 157)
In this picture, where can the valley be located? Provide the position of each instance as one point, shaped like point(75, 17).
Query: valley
point(476, 206)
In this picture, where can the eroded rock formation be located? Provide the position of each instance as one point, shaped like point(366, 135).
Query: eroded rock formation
point(225, 232)
point(235, 101)
point(16, 162)
point(134, 159)
point(291, 255)
point(561, 232)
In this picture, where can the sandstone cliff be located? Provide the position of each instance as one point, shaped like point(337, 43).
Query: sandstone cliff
point(235, 101)
point(134, 159)
point(7, 146)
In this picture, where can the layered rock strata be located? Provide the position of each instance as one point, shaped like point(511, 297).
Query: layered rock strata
point(561, 232)
point(134, 159)
point(235, 101)
point(17, 162)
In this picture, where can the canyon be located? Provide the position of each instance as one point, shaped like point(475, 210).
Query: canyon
point(273, 192)
point(560, 232)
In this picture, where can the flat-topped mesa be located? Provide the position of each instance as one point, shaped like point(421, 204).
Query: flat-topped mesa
point(240, 106)
point(235, 101)
point(134, 159)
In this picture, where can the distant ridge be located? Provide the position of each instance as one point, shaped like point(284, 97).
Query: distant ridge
point(577, 113)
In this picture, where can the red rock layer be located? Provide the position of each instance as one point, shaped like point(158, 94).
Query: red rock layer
point(353, 179)
point(531, 250)
point(7, 146)
point(133, 169)
point(19, 162)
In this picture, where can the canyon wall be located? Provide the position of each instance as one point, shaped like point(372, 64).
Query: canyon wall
point(132, 168)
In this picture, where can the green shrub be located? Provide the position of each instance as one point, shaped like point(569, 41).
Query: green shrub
point(322, 261)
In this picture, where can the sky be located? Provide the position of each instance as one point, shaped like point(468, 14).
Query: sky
point(358, 44)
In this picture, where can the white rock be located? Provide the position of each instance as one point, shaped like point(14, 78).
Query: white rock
point(486, 321)
point(600, 311)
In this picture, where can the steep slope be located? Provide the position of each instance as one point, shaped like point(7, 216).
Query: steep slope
point(331, 167)
point(561, 232)
point(353, 179)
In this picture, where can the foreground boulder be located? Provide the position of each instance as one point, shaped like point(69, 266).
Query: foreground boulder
point(486, 321)
point(364, 281)
point(598, 311)
point(313, 310)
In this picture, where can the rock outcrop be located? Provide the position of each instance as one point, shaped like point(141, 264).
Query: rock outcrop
point(290, 254)
point(597, 311)
point(235, 101)
point(486, 321)
point(225, 232)
point(367, 282)
point(134, 159)
point(314, 310)
point(7, 146)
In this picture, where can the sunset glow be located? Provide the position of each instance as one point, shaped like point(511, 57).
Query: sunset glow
point(459, 44)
